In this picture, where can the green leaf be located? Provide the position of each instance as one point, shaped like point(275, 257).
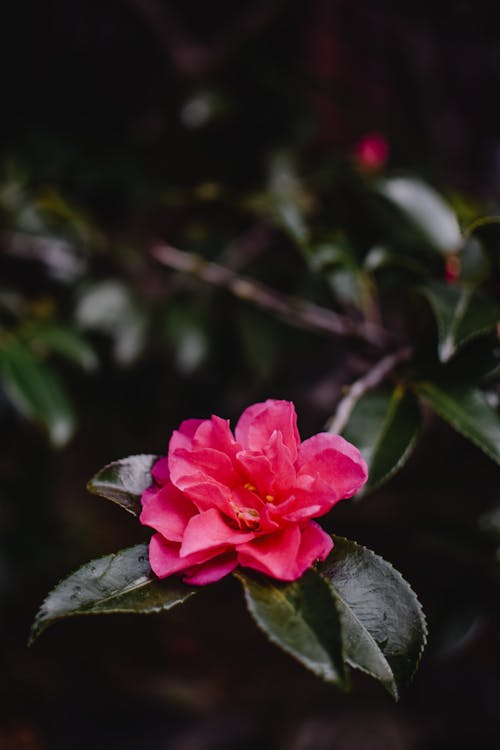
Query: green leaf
point(36, 391)
point(383, 627)
point(124, 481)
point(287, 197)
point(466, 409)
point(384, 427)
point(426, 209)
point(118, 583)
point(109, 307)
point(300, 617)
point(461, 315)
point(380, 257)
point(68, 343)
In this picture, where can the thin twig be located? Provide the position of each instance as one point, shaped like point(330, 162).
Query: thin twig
point(371, 380)
point(293, 309)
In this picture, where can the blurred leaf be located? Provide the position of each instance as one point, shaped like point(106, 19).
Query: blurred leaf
point(489, 523)
point(349, 282)
point(381, 257)
point(477, 363)
point(68, 343)
point(461, 628)
point(124, 481)
point(426, 209)
point(384, 426)
point(466, 409)
point(300, 617)
point(288, 198)
point(352, 286)
point(461, 314)
point(260, 342)
point(117, 583)
point(36, 391)
point(108, 307)
point(60, 214)
point(474, 262)
point(62, 260)
point(383, 627)
point(187, 336)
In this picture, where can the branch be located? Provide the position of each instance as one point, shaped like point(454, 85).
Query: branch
point(368, 382)
point(294, 310)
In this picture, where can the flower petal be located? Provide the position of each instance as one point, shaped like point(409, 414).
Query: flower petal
point(183, 437)
point(216, 433)
point(257, 470)
point(258, 422)
point(315, 544)
point(166, 510)
point(282, 465)
point(208, 530)
point(201, 463)
point(160, 471)
point(273, 554)
point(212, 570)
point(334, 461)
point(165, 560)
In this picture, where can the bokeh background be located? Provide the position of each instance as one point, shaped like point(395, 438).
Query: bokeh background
point(226, 129)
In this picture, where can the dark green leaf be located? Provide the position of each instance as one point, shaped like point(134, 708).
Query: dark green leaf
point(475, 266)
point(68, 343)
point(118, 583)
point(383, 627)
point(286, 197)
point(36, 391)
point(300, 617)
point(426, 209)
point(467, 411)
point(461, 315)
point(124, 481)
point(384, 426)
point(380, 257)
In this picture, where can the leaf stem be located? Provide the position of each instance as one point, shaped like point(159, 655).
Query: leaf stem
point(368, 382)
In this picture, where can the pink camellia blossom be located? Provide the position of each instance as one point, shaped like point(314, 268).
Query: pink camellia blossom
point(371, 152)
point(219, 501)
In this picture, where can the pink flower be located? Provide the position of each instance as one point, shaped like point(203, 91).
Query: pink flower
point(371, 152)
point(220, 501)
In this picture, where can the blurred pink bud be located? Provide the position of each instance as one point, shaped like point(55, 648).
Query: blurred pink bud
point(452, 269)
point(372, 152)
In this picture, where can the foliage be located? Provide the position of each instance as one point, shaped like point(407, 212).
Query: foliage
point(355, 609)
point(408, 294)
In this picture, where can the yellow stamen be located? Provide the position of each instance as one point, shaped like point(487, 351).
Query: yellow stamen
point(250, 487)
point(270, 498)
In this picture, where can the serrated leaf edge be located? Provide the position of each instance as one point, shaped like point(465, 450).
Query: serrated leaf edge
point(390, 684)
point(453, 423)
point(399, 575)
point(343, 681)
point(38, 628)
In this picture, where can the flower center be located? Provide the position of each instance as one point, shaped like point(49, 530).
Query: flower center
point(248, 519)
